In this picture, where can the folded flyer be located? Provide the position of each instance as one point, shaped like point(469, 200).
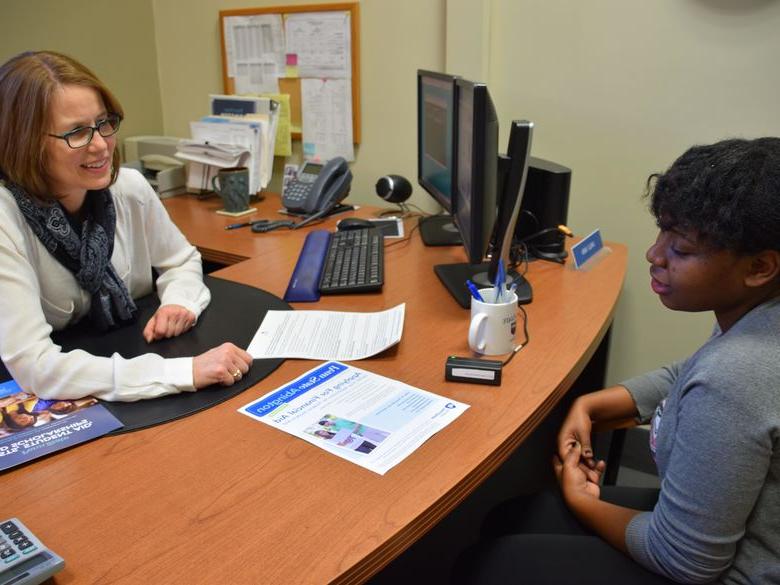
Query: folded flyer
point(31, 427)
point(368, 419)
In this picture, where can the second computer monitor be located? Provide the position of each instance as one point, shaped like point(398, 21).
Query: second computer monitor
point(436, 135)
point(476, 184)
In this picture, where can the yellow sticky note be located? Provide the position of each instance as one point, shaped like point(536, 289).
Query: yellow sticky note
point(283, 145)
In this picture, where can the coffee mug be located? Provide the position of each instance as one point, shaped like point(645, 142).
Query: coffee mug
point(232, 184)
point(493, 325)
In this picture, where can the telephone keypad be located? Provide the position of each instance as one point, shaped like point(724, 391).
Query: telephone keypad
point(296, 191)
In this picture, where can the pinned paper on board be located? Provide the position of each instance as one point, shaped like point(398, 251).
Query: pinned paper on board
point(256, 77)
point(254, 50)
point(327, 119)
point(320, 42)
point(274, 50)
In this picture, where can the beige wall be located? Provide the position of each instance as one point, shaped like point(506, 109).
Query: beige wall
point(112, 37)
point(617, 89)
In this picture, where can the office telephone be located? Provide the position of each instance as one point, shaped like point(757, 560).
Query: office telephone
point(318, 187)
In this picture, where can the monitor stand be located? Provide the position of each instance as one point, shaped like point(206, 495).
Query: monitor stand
point(439, 230)
point(454, 277)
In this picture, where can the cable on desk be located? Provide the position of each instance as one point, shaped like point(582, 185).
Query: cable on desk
point(406, 212)
point(406, 239)
point(525, 334)
point(518, 256)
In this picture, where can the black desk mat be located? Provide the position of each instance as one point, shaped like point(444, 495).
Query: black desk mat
point(234, 314)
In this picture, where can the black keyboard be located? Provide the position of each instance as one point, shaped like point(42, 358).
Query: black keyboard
point(354, 262)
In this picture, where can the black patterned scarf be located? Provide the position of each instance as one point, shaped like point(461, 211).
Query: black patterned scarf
point(84, 249)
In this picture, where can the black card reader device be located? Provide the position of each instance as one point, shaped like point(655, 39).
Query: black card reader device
point(473, 370)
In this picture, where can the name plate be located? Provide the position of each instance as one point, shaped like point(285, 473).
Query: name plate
point(587, 248)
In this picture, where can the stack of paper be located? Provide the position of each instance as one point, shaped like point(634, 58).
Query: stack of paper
point(221, 141)
point(212, 153)
point(206, 157)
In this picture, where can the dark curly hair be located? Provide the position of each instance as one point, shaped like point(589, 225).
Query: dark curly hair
point(727, 192)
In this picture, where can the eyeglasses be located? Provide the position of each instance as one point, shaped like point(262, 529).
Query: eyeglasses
point(81, 137)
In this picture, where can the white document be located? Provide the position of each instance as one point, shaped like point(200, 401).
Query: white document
point(254, 40)
point(206, 158)
point(251, 110)
point(212, 153)
point(256, 77)
point(370, 420)
point(268, 132)
point(327, 335)
point(322, 43)
point(236, 131)
point(327, 119)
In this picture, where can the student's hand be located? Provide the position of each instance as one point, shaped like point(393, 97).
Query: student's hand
point(224, 365)
point(168, 321)
point(577, 480)
point(576, 430)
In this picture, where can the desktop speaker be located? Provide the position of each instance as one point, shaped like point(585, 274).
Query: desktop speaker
point(394, 188)
point(545, 205)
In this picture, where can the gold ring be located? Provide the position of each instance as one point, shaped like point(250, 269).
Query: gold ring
point(236, 374)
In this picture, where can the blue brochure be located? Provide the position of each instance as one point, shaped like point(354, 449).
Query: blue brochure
point(31, 427)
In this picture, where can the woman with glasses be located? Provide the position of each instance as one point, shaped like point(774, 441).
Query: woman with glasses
point(79, 238)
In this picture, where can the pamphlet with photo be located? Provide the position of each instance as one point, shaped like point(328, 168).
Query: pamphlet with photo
point(31, 427)
point(368, 419)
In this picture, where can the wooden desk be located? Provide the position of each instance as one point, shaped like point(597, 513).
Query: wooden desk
point(219, 498)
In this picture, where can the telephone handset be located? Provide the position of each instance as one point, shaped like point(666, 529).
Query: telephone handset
point(318, 187)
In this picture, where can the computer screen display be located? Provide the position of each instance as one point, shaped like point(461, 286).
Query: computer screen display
point(436, 135)
point(476, 187)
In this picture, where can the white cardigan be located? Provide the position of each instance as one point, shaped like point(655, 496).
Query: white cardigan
point(38, 295)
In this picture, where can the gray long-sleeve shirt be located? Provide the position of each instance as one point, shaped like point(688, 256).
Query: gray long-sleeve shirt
point(716, 436)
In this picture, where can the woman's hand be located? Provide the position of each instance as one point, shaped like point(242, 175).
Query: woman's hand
point(576, 430)
point(611, 404)
point(224, 365)
point(580, 487)
point(577, 479)
point(168, 321)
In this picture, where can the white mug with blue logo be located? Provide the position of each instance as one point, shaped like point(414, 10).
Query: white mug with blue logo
point(493, 324)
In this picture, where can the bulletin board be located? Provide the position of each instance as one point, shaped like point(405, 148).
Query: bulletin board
point(292, 85)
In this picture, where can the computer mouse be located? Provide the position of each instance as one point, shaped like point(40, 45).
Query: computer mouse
point(353, 223)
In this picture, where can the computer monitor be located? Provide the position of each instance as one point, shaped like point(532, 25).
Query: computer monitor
point(476, 184)
point(488, 192)
point(436, 126)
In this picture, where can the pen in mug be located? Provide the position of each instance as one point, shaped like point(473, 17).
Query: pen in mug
point(233, 226)
point(474, 291)
point(498, 296)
